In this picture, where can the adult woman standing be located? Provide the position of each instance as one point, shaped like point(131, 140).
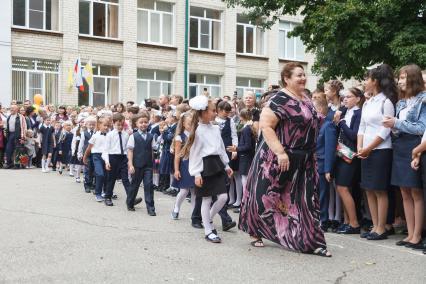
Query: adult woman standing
point(347, 171)
point(408, 127)
point(280, 201)
point(375, 146)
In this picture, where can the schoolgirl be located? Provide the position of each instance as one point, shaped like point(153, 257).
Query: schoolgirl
point(208, 163)
point(76, 161)
point(182, 179)
point(47, 143)
point(64, 148)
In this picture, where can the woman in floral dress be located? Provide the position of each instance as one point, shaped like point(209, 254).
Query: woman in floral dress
point(280, 202)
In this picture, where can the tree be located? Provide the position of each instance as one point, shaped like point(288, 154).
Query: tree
point(349, 36)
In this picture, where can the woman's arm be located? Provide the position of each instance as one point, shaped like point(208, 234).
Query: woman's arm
point(267, 124)
point(413, 127)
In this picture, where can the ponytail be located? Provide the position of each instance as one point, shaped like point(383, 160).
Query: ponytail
point(194, 125)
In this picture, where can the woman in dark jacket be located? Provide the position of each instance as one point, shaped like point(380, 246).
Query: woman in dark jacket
point(346, 171)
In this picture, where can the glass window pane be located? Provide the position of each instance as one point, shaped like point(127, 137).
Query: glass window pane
point(259, 41)
point(241, 18)
point(36, 19)
point(52, 15)
point(285, 25)
point(193, 78)
point(192, 91)
point(216, 35)
point(213, 14)
point(113, 21)
point(51, 88)
point(215, 92)
point(255, 83)
point(142, 91)
point(98, 91)
point(200, 78)
point(281, 44)
point(143, 26)
point(249, 40)
point(196, 11)
point(19, 85)
point(155, 27)
point(205, 34)
point(19, 12)
point(36, 5)
point(146, 74)
point(113, 91)
point(84, 17)
point(290, 47)
point(240, 92)
point(240, 38)
point(147, 4)
point(167, 29)
point(242, 82)
point(35, 85)
point(211, 79)
point(300, 49)
point(154, 89)
point(99, 19)
point(166, 88)
point(164, 76)
point(165, 7)
point(193, 29)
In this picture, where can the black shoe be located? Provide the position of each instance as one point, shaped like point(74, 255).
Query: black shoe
point(87, 189)
point(137, 201)
point(236, 210)
point(325, 226)
point(175, 215)
point(390, 232)
point(131, 208)
point(401, 243)
point(108, 202)
point(197, 225)
point(418, 245)
point(151, 212)
point(335, 225)
point(365, 235)
point(174, 193)
point(229, 226)
point(376, 237)
point(114, 196)
point(348, 230)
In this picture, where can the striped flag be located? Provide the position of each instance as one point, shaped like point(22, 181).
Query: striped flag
point(78, 78)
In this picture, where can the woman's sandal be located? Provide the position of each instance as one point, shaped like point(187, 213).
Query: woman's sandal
point(213, 238)
point(322, 252)
point(257, 243)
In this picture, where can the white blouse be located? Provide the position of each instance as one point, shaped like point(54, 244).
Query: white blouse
point(349, 114)
point(207, 142)
point(371, 124)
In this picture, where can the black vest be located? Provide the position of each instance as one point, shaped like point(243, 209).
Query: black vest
point(87, 137)
point(227, 133)
point(142, 152)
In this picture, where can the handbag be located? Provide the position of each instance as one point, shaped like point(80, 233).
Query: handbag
point(344, 151)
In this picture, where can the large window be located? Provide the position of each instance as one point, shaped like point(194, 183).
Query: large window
point(106, 89)
point(35, 76)
point(153, 83)
point(245, 85)
point(36, 14)
point(99, 18)
point(155, 22)
point(205, 29)
point(250, 38)
point(200, 83)
point(290, 48)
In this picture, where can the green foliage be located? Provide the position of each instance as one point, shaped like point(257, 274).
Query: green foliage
point(349, 36)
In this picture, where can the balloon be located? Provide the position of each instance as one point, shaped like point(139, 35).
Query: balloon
point(38, 99)
point(36, 108)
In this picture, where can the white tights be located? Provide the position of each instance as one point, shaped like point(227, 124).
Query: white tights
point(77, 171)
point(208, 211)
point(183, 193)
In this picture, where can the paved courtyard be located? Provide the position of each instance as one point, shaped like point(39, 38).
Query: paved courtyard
point(51, 231)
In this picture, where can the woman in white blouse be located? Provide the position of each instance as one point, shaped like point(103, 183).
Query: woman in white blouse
point(375, 146)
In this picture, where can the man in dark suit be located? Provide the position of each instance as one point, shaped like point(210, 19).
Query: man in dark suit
point(15, 127)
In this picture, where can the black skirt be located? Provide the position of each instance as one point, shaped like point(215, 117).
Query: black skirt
point(402, 173)
point(347, 174)
point(423, 173)
point(376, 170)
point(214, 177)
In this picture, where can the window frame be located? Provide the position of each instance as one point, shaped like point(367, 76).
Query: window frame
point(97, 74)
point(35, 70)
point(27, 17)
point(210, 20)
point(204, 84)
point(255, 28)
point(250, 87)
point(286, 31)
point(90, 34)
point(155, 11)
point(148, 81)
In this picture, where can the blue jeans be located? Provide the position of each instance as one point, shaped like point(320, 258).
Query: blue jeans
point(88, 172)
point(324, 196)
point(10, 147)
point(100, 173)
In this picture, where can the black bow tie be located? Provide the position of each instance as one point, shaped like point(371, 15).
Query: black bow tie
point(104, 134)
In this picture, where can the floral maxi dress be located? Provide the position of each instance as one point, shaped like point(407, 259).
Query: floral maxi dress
point(283, 206)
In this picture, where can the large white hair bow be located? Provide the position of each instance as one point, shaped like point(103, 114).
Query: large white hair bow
point(199, 102)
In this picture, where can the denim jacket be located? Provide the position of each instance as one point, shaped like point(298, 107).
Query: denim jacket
point(415, 123)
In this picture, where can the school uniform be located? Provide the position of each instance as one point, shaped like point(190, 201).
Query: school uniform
point(141, 143)
point(326, 153)
point(228, 132)
point(47, 141)
point(116, 155)
point(246, 149)
point(186, 181)
point(75, 159)
point(88, 170)
point(65, 147)
point(166, 159)
point(55, 152)
point(154, 129)
point(98, 140)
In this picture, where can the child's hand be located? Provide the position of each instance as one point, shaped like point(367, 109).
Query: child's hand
point(108, 166)
point(131, 169)
point(232, 148)
point(230, 172)
point(199, 181)
point(85, 160)
point(234, 155)
point(328, 177)
point(177, 175)
point(415, 163)
point(60, 152)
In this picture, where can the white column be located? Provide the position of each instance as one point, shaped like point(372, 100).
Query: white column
point(5, 53)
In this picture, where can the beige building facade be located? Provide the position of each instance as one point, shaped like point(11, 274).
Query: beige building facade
point(137, 48)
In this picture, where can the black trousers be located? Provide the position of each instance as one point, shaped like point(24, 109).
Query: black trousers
point(196, 213)
point(118, 170)
point(141, 175)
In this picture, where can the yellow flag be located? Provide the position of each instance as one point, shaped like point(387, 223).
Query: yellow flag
point(88, 75)
point(70, 80)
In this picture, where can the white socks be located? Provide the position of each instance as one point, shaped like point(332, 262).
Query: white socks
point(183, 193)
point(208, 212)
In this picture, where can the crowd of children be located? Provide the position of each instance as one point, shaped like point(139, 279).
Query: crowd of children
point(202, 150)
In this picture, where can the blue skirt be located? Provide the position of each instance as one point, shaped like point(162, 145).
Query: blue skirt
point(186, 181)
point(402, 173)
point(166, 163)
point(347, 174)
point(376, 170)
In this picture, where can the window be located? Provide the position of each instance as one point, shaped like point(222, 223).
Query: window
point(36, 14)
point(99, 18)
point(205, 29)
point(35, 76)
point(155, 22)
point(290, 48)
point(198, 83)
point(153, 83)
point(250, 39)
point(106, 89)
point(245, 85)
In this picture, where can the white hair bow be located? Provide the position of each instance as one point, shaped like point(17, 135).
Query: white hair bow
point(200, 102)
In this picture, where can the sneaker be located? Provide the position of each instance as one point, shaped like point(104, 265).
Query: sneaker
point(114, 196)
point(175, 215)
point(71, 174)
point(77, 180)
point(60, 172)
point(99, 198)
point(108, 202)
point(43, 170)
point(103, 194)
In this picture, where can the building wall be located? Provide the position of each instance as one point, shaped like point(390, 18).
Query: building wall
point(66, 45)
point(5, 53)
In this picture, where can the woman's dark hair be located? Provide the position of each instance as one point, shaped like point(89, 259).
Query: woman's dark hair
point(123, 108)
point(384, 75)
point(358, 93)
point(64, 108)
point(415, 83)
point(225, 106)
point(29, 110)
point(288, 71)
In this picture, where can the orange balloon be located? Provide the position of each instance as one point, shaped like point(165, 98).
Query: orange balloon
point(38, 99)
